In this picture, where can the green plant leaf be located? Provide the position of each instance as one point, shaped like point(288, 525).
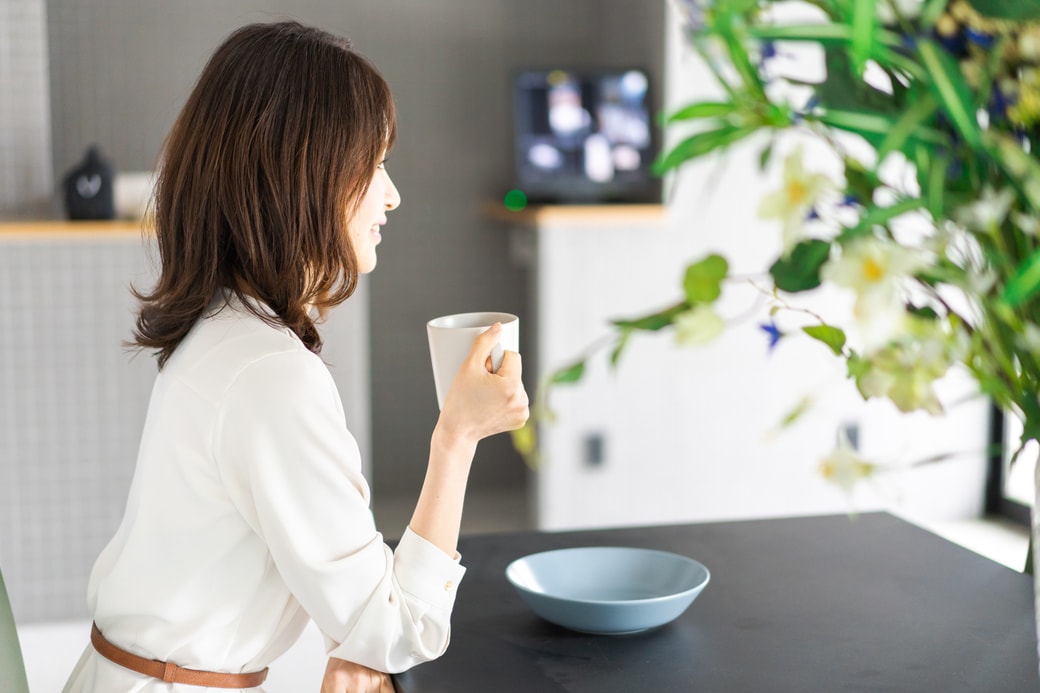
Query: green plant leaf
point(838, 35)
point(863, 20)
point(878, 216)
point(932, 10)
point(931, 176)
point(1017, 10)
point(831, 33)
point(948, 86)
point(874, 126)
point(726, 20)
point(860, 182)
point(831, 336)
point(919, 113)
point(800, 271)
point(857, 365)
point(653, 321)
point(703, 109)
point(700, 144)
point(765, 155)
point(619, 348)
point(568, 374)
point(1025, 283)
point(703, 280)
point(1021, 168)
point(796, 412)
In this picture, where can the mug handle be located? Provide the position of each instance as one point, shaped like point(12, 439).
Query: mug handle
point(496, 356)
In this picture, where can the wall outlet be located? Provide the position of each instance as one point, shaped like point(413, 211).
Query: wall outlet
point(851, 431)
point(594, 449)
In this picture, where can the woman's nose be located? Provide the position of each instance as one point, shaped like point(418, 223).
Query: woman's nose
point(393, 197)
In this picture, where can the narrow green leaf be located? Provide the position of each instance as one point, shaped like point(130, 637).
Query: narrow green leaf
point(831, 336)
point(724, 27)
point(615, 354)
point(918, 113)
point(568, 374)
point(932, 10)
point(948, 85)
point(1021, 168)
point(817, 33)
point(703, 280)
point(764, 156)
point(796, 412)
point(1026, 282)
point(863, 18)
point(703, 109)
point(937, 187)
point(878, 216)
point(653, 321)
point(875, 127)
point(700, 144)
point(800, 271)
point(931, 176)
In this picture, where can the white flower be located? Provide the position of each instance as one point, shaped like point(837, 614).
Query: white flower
point(988, 211)
point(699, 325)
point(875, 269)
point(909, 388)
point(844, 467)
point(905, 371)
point(1027, 223)
point(1029, 43)
point(1029, 340)
point(793, 202)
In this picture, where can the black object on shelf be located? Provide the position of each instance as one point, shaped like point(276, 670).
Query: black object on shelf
point(88, 187)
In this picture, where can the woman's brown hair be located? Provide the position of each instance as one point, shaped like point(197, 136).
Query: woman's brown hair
point(258, 178)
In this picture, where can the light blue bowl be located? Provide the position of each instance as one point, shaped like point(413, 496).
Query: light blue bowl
point(608, 590)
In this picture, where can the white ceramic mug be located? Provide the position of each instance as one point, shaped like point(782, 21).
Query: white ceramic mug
point(451, 338)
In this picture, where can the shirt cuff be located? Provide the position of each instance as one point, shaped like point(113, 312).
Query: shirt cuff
point(426, 572)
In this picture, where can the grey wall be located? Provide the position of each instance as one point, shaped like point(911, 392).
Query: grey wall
point(25, 134)
point(120, 70)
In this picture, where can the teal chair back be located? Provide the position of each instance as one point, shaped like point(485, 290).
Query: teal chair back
point(12, 666)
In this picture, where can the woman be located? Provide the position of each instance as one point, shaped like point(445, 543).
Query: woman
point(248, 513)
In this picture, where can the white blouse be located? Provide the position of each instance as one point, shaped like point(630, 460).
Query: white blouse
point(248, 513)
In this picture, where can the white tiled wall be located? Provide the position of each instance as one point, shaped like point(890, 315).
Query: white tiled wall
point(72, 403)
point(25, 135)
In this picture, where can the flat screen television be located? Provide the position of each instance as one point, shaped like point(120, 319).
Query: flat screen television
point(584, 136)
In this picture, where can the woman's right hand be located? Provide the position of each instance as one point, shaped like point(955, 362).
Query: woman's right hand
point(481, 403)
point(342, 676)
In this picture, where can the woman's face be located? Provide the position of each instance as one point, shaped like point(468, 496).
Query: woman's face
point(366, 223)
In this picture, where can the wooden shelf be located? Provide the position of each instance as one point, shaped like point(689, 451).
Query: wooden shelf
point(539, 215)
point(63, 229)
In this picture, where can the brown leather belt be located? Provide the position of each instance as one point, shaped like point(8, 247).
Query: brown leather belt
point(169, 672)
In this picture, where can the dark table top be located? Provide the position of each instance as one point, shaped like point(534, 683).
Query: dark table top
point(837, 603)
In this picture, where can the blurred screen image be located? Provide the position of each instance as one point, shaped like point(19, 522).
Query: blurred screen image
point(584, 136)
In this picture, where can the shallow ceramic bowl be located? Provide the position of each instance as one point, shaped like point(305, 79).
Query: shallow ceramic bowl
point(607, 590)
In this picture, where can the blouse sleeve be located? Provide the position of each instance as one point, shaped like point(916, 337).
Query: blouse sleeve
point(294, 471)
